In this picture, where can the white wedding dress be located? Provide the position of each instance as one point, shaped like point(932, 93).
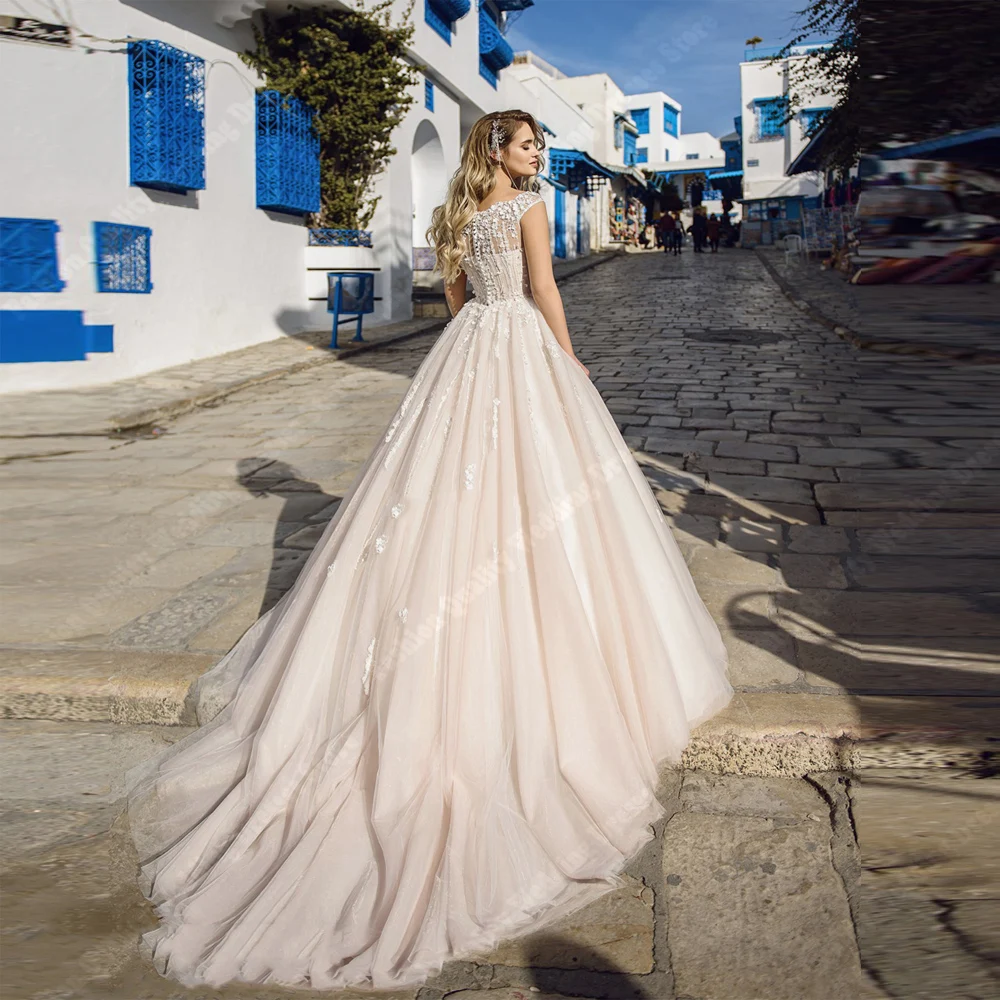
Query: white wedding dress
point(447, 732)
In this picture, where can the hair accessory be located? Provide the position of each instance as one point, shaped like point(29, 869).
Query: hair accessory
point(495, 139)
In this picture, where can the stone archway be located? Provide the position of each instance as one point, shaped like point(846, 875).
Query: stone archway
point(429, 184)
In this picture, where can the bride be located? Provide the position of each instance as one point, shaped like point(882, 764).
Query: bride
point(447, 732)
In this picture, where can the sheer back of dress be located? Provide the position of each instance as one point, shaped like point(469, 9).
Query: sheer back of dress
point(495, 260)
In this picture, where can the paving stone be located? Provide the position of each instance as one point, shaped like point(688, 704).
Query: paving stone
point(949, 496)
point(761, 658)
point(723, 565)
point(754, 536)
point(612, 934)
point(766, 452)
point(722, 873)
point(848, 456)
point(896, 572)
point(810, 570)
point(742, 466)
point(764, 487)
point(918, 541)
point(769, 798)
point(821, 539)
point(812, 473)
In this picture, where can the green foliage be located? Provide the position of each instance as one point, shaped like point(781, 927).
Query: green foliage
point(902, 71)
point(349, 66)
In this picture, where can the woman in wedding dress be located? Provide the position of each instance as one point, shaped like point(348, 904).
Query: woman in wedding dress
point(447, 732)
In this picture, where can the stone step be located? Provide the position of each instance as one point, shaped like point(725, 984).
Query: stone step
point(760, 733)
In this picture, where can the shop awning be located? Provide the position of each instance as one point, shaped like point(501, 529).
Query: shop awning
point(976, 147)
point(573, 167)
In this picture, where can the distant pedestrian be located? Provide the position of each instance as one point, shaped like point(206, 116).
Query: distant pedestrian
point(668, 228)
point(712, 228)
point(698, 229)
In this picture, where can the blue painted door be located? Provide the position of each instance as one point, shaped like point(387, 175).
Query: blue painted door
point(560, 223)
point(579, 226)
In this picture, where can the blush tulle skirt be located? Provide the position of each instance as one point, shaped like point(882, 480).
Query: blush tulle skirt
point(447, 732)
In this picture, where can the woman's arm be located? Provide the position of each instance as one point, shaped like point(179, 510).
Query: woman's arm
point(454, 294)
point(545, 292)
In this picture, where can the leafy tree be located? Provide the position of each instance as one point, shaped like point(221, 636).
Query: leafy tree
point(902, 71)
point(349, 66)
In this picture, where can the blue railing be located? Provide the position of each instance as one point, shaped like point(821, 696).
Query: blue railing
point(769, 52)
point(494, 49)
point(340, 238)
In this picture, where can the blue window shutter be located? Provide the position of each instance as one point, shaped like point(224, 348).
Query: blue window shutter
point(641, 118)
point(288, 167)
point(28, 260)
point(629, 147)
point(642, 155)
point(428, 95)
point(166, 117)
point(670, 119)
point(122, 258)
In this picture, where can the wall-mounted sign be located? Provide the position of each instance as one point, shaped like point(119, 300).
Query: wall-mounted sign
point(27, 29)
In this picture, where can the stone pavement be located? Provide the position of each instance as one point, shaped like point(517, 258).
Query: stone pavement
point(37, 423)
point(840, 515)
point(949, 321)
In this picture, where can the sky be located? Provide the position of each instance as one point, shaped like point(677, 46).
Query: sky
point(691, 51)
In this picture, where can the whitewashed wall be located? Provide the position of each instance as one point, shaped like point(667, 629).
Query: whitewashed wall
point(766, 178)
point(225, 274)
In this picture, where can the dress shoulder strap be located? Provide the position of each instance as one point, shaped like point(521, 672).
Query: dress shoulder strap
point(525, 200)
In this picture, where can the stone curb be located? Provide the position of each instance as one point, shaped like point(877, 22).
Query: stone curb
point(758, 734)
point(855, 339)
point(136, 419)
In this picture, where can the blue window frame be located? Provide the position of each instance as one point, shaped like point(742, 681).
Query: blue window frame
point(428, 95)
point(122, 258)
point(28, 260)
point(441, 15)
point(770, 113)
point(166, 117)
point(670, 116)
point(693, 156)
point(629, 147)
point(641, 118)
point(288, 177)
point(811, 119)
point(642, 155)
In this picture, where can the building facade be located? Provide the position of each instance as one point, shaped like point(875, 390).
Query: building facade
point(153, 210)
point(772, 201)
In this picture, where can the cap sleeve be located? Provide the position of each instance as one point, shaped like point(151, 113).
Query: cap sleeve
point(527, 199)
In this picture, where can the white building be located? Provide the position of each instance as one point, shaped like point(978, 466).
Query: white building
point(139, 228)
point(773, 202)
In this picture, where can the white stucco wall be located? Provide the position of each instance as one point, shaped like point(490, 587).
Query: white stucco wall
point(766, 178)
point(657, 142)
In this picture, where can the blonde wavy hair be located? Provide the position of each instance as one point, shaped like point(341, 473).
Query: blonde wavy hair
point(474, 179)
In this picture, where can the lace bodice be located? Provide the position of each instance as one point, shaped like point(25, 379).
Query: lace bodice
point(495, 262)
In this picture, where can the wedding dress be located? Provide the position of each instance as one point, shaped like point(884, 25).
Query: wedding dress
point(447, 732)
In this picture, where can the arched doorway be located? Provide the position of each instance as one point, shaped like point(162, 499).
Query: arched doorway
point(429, 184)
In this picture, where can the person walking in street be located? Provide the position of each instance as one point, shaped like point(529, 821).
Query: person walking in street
point(450, 730)
point(697, 229)
point(677, 234)
point(668, 226)
point(712, 232)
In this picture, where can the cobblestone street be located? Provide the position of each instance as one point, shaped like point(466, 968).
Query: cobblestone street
point(830, 834)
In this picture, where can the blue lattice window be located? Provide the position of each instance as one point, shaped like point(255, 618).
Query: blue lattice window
point(28, 261)
point(122, 257)
point(287, 155)
point(641, 118)
point(642, 155)
point(166, 117)
point(770, 112)
point(811, 119)
point(428, 95)
point(670, 119)
point(440, 15)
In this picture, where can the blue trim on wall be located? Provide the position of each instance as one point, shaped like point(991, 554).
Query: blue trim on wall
point(33, 335)
point(428, 94)
point(28, 261)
